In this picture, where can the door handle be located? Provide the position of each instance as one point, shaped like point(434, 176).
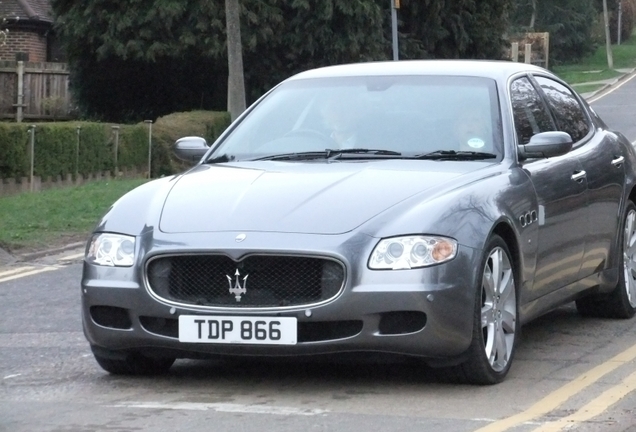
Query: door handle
point(618, 161)
point(578, 176)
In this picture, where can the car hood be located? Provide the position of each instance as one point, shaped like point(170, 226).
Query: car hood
point(317, 198)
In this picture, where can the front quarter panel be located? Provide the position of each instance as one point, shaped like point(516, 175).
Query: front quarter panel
point(469, 213)
point(138, 210)
point(467, 210)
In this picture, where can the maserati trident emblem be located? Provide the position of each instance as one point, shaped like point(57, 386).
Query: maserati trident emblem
point(237, 289)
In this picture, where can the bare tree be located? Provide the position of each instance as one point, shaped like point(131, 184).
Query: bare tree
point(236, 82)
point(533, 17)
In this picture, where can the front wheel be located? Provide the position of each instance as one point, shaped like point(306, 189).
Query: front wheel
point(495, 328)
point(621, 302)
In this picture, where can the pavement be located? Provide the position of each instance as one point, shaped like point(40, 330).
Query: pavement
point(7, 258)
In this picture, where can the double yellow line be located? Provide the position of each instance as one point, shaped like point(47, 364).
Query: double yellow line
point(21, 272)
point(563, 394)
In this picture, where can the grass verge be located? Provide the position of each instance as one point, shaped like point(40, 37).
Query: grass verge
point(594, 67)
point(588, 88)
point(35, 221)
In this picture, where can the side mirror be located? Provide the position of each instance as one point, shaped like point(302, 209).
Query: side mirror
point(546, 145)
point(190, 149)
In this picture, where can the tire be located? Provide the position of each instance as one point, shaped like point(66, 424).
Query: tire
point(133, 364)
point(621, 302)
point(495, 328)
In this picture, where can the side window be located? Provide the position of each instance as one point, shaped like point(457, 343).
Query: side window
point(569, 114)
point(530, 114)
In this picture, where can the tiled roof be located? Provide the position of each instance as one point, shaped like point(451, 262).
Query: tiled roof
point(28, 10)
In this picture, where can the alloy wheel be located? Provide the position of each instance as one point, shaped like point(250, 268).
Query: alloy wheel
point(629, 257)
point(499, 307)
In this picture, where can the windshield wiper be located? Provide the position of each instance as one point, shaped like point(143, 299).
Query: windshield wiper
point(329, 154)
point(336, 153)
point(455, 155)
point(219, 159)
point(295, 156)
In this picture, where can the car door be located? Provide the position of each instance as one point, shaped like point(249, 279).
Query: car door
point(561, 189)
point(603, 162)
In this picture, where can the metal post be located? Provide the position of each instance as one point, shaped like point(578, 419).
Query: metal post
point(515, 51)
point(32, 151)
point(395, 5)
point(116, 132)
point(620, 21)
point(528, 54)
point(149, 146)
point(20, 101)
point(77, 147)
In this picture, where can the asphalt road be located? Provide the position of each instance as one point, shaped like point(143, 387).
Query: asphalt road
point(570, 372)
point(618, 108)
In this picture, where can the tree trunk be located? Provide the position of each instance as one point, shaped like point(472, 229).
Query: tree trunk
point(235, 82)
point(608, 42)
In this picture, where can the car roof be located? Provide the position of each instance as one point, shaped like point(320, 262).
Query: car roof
point(495, 69)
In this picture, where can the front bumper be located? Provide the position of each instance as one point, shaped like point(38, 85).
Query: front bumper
point(423, 312)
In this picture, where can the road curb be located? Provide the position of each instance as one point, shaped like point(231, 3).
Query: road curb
point(6, 258)
point(39, 254)
point(609, 85)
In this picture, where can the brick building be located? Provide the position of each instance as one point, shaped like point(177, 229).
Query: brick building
point(31, 36)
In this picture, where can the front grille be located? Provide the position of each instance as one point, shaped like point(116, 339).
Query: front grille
point(257, 281)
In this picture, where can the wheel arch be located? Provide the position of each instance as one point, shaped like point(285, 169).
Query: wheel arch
point(614, 256)
point(632, 194)
point(507, 233)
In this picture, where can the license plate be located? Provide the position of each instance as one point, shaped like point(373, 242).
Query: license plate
point(237, 330)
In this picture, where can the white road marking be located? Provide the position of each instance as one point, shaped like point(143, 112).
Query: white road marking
point(11, 376)
point(28, 273)
point(225, 407)
point(611, 90)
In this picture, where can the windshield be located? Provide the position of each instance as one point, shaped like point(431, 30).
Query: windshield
point(388, 117)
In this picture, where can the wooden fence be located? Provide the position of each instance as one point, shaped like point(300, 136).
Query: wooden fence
point(34, 91)
point(534, 46)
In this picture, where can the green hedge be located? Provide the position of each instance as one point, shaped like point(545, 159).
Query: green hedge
point(56, 145)
point(168, 129)
point(14, 159)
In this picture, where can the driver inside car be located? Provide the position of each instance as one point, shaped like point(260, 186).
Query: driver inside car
point(342, 118)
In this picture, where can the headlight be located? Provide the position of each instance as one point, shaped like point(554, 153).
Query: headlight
point(409, 252)
point(113, 250)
